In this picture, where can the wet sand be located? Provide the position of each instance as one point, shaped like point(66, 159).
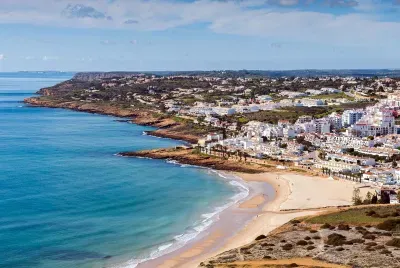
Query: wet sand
point(295, 196)
point(254, 202)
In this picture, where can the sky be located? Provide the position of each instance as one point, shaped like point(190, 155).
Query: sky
point(179, 35)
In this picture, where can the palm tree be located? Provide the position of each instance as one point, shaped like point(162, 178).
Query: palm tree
point(218, 149)
point(245, 155)
point(224, 151)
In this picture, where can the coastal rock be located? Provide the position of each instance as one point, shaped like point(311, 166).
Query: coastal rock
point(190, 157)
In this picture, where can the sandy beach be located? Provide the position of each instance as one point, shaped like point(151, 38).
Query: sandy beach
point(296, 195)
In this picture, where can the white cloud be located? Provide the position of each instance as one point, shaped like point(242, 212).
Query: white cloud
point(2, 57)
point(50, 58)
point(107, 42)
point(228, 17)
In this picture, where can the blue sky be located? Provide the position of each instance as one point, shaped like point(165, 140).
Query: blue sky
point(141, 35)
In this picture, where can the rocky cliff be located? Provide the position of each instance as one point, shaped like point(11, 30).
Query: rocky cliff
point(168, 128)
point(91, 76)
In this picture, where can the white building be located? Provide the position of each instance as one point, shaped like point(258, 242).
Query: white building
point(376, 123)
point(350, 117)
point(264, 98)
point(224, 111)
point(306, 127)
point(338, 166)
point(303, 119)
point(311, 102)
point(214, 137)
point(335, 120)
point(329, 90)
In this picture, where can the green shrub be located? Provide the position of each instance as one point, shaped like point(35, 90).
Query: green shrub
point(260, 237)
point(287, 247)
point(388, 225)
point(369, 236)
point(326, 226)
point(301, 243)
point(336, 239)
point(395, 242)
point(343, 227)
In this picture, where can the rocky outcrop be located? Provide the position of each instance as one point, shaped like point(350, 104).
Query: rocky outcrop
point(167, 128)
point(82, 107)
point(189, 157)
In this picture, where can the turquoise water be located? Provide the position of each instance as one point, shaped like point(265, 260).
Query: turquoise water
point(67, 201)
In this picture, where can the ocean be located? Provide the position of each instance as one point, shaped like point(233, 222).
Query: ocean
point(66, 199)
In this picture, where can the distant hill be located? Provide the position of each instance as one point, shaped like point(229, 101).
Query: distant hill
point(89, 76)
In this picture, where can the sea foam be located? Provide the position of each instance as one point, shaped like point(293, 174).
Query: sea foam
point(207, 219)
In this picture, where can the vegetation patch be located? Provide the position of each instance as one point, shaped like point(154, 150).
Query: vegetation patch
point(302, 243)
point(287, 247)
point(336, 239)
point(355, 216)
point(395, 242)
point(260, 237)
point(389, 225)
point(369, 236)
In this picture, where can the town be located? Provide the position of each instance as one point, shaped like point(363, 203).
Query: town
point(344, 127)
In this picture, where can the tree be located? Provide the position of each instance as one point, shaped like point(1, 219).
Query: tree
point(368, 198)
point(245, 155)
point(385, 198)
point(374, 199)
point(240, 154)
point(356, 199)
point(224, 136)
point(224, 151)
point(394, 164)
point(252, 94)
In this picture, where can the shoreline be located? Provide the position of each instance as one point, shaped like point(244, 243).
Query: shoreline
point(241, 212)
point(290, 201)
point(215, 242)
point(273, 214)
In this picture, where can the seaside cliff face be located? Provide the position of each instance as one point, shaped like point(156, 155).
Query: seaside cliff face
point(167, 128)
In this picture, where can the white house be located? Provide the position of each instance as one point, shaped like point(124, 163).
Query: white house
point(338, 166)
